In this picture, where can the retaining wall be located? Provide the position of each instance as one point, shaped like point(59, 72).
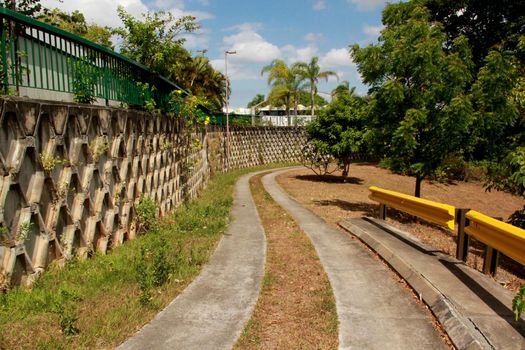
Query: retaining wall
point(98, 162)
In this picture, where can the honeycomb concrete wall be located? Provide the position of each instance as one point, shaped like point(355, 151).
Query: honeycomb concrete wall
point(70, 175)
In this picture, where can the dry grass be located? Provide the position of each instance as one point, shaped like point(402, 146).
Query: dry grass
point(335, 200)
point(296, 308)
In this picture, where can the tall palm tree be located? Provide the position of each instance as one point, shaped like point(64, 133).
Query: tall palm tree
point(312, 73)
point(286, 84)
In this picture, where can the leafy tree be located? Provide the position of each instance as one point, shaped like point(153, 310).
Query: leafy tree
point(76, 23)
point(339, 132)
point(487, 24)
point(26, 7)
point(156, 41)
point(258, 99)
point(312, 73)
point(419, 110)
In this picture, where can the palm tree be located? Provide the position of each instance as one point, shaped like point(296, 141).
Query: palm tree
point(342, 89)
point(312, 72)
point(286, 84)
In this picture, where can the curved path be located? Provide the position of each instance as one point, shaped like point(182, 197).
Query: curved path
point(373, 311)
point(212, 311)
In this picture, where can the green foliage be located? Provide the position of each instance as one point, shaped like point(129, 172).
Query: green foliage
point(518, 303)
point(50, 161)
point(286, 85)
point(157, 40)
point(26, 7)
point(258, 99)
point(485, 23)
point(153, 267)
point(311, 72)
point(146, 210)
point(97, 147)
point(75, 23)
point(64, 305)
point(84, 76)
point(23, 231)
point(193, 230)
point(419, 110)
point(518, 218)
point(339, 132)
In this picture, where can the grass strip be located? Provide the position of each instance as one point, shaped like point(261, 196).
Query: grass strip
point(99, 302)
point(296, 308)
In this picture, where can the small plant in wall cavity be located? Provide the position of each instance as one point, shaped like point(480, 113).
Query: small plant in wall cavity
point(98, 147)
point(165, 145)
point(23, 231)
point(50, 161)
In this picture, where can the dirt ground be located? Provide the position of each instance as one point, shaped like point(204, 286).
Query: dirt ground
point(334, 200)
point(296, 307)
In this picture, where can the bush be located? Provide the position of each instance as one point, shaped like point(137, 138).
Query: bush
point(146, 210)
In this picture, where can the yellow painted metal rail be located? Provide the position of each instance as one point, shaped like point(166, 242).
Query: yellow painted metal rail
point(506, 238)
point(441, 214)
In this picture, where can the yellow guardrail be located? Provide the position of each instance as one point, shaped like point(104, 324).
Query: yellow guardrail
point(441, 214)
point(506, 238)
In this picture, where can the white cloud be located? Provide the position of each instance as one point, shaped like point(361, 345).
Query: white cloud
point(293, 54)
point(250, 46)
point(373, 31)
point(312, 37)
point(336, 58)
point(104, 12)
point(319, 5)
point(367, 5)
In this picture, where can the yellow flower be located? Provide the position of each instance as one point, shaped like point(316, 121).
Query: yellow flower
point(207, 121)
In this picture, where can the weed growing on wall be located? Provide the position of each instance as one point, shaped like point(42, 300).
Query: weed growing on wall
point(97, 147)
point(49, 161)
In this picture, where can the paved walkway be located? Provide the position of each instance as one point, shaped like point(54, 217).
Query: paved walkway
point(213, 309)
point(373, 311)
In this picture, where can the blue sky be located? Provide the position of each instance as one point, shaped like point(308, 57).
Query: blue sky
point(260, 31)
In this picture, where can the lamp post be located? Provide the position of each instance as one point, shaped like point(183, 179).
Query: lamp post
point(226, 53)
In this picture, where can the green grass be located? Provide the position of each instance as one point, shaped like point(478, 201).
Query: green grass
point(99, 302)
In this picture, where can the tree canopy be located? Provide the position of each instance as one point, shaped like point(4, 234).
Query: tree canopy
point(75, 23)
point(419, 112)
point(338, 131)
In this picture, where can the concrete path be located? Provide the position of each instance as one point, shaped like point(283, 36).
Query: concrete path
point(474, 309)
point(213, 309)
point(373, 311)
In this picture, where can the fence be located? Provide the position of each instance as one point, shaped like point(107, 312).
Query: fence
point(497, 235)
point(37, 57)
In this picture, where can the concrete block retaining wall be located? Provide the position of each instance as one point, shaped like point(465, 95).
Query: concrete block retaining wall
point(100, 162)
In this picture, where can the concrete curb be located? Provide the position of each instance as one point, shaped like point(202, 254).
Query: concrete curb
point(460, 329)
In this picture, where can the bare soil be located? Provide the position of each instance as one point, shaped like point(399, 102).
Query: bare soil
point(334, 200)
point(296, 307)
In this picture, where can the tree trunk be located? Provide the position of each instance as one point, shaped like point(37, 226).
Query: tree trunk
point(312, 99)
point(288, 111)
point(419, 179)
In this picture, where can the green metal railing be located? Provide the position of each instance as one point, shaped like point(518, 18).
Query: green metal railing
point(36, 56)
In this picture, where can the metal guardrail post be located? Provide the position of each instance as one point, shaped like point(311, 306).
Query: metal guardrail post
point(490, 261)
point(382, 211)
point(463, 239)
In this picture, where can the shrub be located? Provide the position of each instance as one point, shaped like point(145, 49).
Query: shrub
point(146, 210)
